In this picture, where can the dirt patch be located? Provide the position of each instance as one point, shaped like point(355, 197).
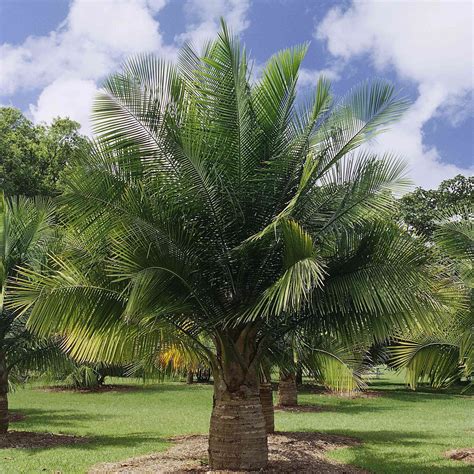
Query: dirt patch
point(14, 416)
point(100, 389)
point(30, 439)
point(465, 454)
point(288, 453)
point(302, 408)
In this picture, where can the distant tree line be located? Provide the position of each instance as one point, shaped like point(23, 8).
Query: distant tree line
point(421, 208)
point(33, 157)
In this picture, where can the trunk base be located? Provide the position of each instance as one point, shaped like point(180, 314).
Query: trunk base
point(3, 395)
point(190, 377)
point(287, 391)
point(3, 413)
point(237, 436)
point(266, 399)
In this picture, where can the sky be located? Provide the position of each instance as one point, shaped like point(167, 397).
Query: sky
point(55, 53)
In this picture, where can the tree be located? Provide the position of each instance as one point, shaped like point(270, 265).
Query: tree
point(421, 208)
point(33, 157)
point(25, 230)
point(229, 214)
point(444, 353)
point(329, 359)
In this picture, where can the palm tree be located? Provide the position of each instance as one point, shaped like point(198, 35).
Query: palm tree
point(232, 214)
point(444, 353)
point(329, 359)
point(25, 230)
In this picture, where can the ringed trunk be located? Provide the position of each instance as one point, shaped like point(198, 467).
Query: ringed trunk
point(3, 394)
point(237, 435)
point(287, 390)
point(190, 377)
point(266, 399)
point(299, 376)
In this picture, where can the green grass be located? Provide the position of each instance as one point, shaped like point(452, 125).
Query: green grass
point(401, 431)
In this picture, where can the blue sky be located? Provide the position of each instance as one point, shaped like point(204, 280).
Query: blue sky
point(54, 54)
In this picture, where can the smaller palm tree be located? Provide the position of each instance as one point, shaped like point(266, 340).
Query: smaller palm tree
point(445, 353)
point(328, 359)
point(25, 231)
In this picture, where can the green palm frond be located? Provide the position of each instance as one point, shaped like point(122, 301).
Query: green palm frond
point(27, 231)
point(431, 360)
point(214, 208)
point(444, 353)
point(337, 370)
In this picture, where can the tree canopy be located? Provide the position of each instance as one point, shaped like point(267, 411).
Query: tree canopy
point(221, 214)
point(421, 208)
point(26, 231)
point(33, 157)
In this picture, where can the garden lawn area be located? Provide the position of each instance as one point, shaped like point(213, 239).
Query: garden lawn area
point(402, 431)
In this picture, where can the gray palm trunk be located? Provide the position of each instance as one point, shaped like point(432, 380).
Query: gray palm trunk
point(266, 399)
point(237, 435)
point(287, 390)
point(3, 394)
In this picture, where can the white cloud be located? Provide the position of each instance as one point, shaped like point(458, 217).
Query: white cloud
point(406, 139)
point(206, 16)
point(119, 27)
point(429, 43)
point(309, 77)
point(93, 40)
point(66, 65)
point(66, 98)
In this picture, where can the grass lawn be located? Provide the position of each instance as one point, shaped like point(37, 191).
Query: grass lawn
point(402, 431)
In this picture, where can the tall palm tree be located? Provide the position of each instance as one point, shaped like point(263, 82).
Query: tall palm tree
point(233, 214)
point(25, 230)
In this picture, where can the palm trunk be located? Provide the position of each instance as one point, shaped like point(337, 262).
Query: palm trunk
point(237, 435)
point(287, 390)
point(190, 377)
point(299, 376)
point(3, 394)
point(266, 399)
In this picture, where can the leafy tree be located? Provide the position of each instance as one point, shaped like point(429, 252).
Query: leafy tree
point(421, 208)
point(25, 230)
point(217, 209)
point(33, 157)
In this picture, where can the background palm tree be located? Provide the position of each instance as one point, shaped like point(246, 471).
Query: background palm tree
point(327, 359)
point(444, 353)
point(25, 232)
point(221, 213)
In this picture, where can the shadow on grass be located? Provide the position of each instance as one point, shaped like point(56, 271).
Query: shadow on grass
point(37, 419)
point(131, 440)
point(365, 456)
point(61, 422)
point(418, 396)
point(343, 407)
point(388, 386)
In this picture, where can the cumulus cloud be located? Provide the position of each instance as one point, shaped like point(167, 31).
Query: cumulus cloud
point(93, 39)
point(66, 98)
point(205, 15)
point(309, 77)
point(66, 66)
point(429, 44)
